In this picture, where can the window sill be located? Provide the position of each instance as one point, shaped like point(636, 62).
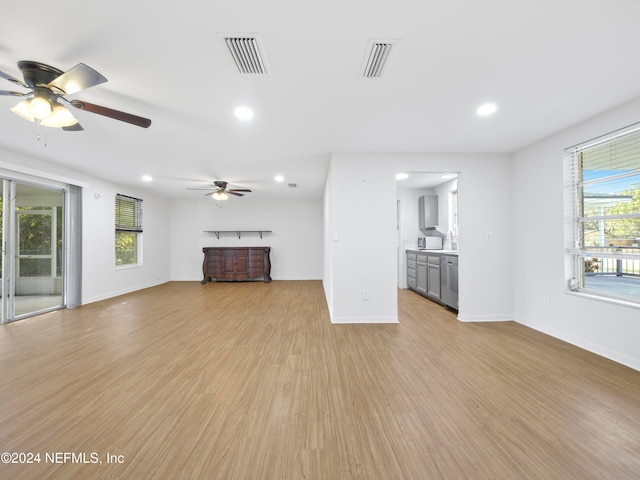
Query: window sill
point(127, 267)
point(602, 298)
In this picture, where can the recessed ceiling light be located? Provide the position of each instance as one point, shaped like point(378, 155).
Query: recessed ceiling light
point(147, 178)
point(244, 113)
point(402, 176)
point(486, 109)
point(279, 178)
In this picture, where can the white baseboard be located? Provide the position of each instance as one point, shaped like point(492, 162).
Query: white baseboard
point(631, 362)
point(499, 317)
point(106, 296)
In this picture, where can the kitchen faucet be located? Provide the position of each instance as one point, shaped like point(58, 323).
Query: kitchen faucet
point(451, 237)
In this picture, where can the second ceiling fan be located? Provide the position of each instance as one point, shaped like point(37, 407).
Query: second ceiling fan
point(221, 192)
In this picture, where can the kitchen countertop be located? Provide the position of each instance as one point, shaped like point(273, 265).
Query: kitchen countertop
point(440, 252)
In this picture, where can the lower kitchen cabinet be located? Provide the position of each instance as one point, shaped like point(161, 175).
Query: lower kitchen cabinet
point(434, 276)
point(421, 275)
point(412, 266)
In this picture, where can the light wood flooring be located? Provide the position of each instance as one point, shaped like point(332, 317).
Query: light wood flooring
point(251, 381)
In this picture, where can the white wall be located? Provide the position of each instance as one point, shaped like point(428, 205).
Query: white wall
point(539, 259)
point(361, 231)
point(363, 213)
point(327, 269)
point(408, 228)
point(295, 241)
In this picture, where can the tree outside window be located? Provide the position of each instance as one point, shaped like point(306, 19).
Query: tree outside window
point(128, 230)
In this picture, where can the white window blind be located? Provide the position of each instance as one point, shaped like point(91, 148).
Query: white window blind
point(604, 214)
point(128, 214)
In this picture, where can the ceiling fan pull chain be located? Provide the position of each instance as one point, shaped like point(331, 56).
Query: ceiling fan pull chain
point(44, 134)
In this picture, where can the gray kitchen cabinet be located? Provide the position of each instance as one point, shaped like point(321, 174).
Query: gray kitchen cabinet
point(421, 274)
point(427, 212)
point(412, 265)
point(433, 277)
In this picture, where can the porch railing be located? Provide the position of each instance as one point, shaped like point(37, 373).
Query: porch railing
point(613, 266)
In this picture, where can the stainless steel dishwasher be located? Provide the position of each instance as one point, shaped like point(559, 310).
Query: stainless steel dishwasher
point(449, 280)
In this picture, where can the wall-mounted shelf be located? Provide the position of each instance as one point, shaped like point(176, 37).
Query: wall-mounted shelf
point(237, 232)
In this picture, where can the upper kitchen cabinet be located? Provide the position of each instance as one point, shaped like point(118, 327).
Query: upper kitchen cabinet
point(428, 211)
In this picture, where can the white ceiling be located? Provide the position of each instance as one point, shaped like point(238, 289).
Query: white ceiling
point(548, 64)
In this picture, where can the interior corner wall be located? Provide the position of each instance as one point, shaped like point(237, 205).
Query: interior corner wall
point(541, 300)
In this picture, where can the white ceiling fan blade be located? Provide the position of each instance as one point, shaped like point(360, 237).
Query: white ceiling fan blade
point(78, 78)
point(6, 76)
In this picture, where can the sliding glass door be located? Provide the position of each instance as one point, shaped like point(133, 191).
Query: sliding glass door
point(32, 258)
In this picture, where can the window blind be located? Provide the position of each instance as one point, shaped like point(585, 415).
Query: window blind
point(128, 214)
point(603, 207)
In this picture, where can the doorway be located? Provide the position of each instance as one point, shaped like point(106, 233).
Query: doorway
point(32, 264)
point(409, 187)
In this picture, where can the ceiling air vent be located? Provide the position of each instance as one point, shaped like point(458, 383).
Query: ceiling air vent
point(293, 185)
point(378, 57)
point(247, 53)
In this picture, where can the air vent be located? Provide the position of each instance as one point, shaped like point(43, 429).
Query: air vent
point(378, 57)
point(247, 54)
point(293, 185)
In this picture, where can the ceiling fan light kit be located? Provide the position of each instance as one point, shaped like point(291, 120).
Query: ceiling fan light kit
point(49, 84)
point(44, 107)
point(219, 196)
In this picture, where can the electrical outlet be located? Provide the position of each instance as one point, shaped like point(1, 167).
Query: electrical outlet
point(488, 236)
point(545, 301)
point(365, 294)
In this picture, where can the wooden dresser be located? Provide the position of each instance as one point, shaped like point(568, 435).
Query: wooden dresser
point(236, 264)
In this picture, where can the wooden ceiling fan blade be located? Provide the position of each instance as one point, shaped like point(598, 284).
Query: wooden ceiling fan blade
point(233, 192)
point(238, 190)
point(6, 76)
point(78, 78)
point(111, 113)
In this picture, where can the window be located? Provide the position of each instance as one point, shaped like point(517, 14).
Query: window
point(128, 230)
point(603, 215)
point(454, 213)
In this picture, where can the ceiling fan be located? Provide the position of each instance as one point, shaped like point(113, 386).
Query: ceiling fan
point(48, 85)
point(219, 190)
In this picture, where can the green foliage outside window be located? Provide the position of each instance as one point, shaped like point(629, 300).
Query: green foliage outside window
point(626, 228)
point(35, 238)
point(126, 248)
